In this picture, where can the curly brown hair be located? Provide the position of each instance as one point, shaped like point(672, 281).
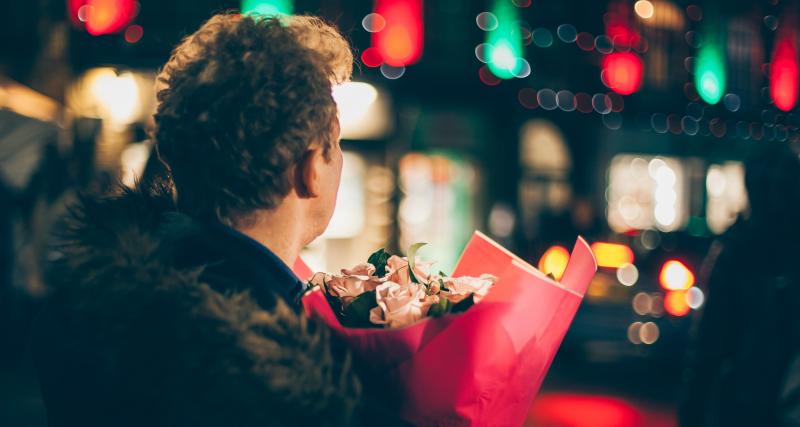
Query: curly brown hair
point(240, 102)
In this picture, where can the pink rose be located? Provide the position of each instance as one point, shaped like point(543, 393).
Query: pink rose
point(401, 305)
point(319, 279)
point(352, 282)
point(434, 284)
point(364, 269)
point(397, 270)
point(459, 288)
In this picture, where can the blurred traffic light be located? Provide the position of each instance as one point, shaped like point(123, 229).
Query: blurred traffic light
point(622, 72)
point(505, 42)
point(399, 42)
point(102, 16)
point(268, 7)
point(710, 77)
point(783, 72)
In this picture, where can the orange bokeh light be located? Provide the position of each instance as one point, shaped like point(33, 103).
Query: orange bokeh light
point(612, 255)
point(676, 304)
point(676, 276)
point(554, 261)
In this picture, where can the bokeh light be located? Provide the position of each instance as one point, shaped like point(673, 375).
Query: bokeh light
point(623, 72)
point(486, 21)
point(554, 261)
point(783, 72)
point(695, 298)
point(505, 56)
point(392, 72)
point(371, 57)
point(567, 33)
point(527, 98)
point(675, 303)
point(268, 7)
point(628, 275)
point(709, 71)
point(106, 16)
point(644, 9)
point(400, 41)
point(373, 22)
point(649, 333)
point(612, 255)
point(676, 276)
point(134, 33)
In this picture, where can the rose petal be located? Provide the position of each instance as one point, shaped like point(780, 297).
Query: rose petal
point(364, 269)
point(397, 270)
point(400, 305)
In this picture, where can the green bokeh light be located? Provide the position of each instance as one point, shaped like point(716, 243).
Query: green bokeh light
point(505, 42)
point(709, 72)
point(268, 7)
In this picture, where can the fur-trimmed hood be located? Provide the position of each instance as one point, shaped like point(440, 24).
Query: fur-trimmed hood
point(128, 337)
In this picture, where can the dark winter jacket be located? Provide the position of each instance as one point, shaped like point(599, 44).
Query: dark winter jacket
point(147, 326)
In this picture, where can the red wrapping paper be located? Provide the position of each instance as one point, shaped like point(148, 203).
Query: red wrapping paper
point(481, 367)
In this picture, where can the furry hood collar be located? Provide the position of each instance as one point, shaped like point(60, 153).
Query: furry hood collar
point(136, 331)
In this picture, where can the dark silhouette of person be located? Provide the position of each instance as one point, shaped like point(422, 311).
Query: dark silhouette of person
point(742, 368)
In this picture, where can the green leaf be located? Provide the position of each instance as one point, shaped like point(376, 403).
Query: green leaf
point(412, 253)
point(379, 259)
point(441, 308)
point(356, 315)
point(442, 273)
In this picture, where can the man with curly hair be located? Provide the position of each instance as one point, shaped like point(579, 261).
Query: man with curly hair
point(176, 305)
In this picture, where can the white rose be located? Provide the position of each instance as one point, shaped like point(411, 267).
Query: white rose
point(401, 305)
point(459, 288)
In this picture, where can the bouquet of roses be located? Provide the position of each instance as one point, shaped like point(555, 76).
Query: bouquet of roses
point(393, 292)
point(470, 348)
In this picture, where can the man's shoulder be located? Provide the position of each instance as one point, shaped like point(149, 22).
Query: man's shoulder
point(125, 321)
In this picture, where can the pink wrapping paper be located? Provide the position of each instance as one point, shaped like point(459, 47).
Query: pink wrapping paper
point(480, 367)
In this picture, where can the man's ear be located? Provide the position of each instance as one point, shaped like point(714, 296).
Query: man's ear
point(308, 174)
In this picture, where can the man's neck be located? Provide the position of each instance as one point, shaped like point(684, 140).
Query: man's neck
point(279, 230)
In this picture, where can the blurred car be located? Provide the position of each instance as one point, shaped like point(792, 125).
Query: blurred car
point(640, 306)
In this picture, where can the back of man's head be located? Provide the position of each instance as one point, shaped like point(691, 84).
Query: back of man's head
point(240, 102)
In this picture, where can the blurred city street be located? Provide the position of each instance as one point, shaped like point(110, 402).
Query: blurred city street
point(664, 132)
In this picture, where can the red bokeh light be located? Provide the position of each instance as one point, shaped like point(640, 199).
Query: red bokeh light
point(783, 73)
point(487, 77)
point(102, 16)
point(623, 72)
point(371, 57)
point(134, 33)
point(527, 98)
point(576, 410)
point(400, 41)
